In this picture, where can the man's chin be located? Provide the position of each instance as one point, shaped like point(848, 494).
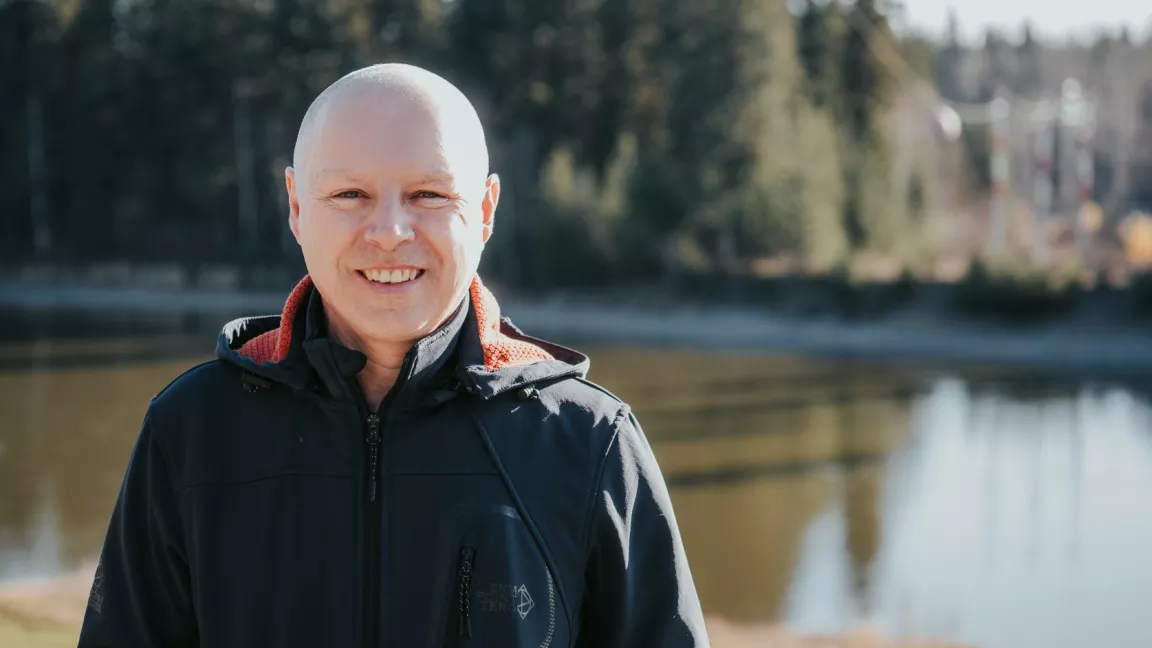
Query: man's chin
point(392, 326)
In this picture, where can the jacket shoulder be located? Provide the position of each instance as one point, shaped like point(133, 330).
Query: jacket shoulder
point(568, 426)
point(194, 384)
point(586, 401)
point(187, 401)
point(584, 393)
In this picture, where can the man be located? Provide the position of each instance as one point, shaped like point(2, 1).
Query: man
point(388, 462)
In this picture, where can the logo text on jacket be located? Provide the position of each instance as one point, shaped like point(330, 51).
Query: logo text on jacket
point(503, 597)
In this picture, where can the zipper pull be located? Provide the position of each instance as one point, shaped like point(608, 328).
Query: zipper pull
point(373, 454)
point(465, 626)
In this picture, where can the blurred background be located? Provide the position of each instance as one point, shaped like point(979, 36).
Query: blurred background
point(904, 248)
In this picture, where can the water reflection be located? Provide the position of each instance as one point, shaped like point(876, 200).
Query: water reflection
point(1005, 522)
point(987, 507)
point(758, 452)
point(993, 508)
point(63, 448)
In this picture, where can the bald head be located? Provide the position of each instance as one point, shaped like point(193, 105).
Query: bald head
point(403, 94)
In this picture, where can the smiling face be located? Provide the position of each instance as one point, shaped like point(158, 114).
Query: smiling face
point(391, 207)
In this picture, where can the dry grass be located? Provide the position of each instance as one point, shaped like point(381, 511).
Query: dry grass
point(47, 613)
point(724, 634)
point(44, 613)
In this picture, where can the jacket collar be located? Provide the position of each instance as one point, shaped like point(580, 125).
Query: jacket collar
point(478, 349)
point(337, 365)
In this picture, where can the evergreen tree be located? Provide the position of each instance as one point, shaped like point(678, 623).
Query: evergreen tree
point(29, 58)
point(948, 60)
point(872, 212)
point(820, 29)
point(1028, 74)
point(866, 83)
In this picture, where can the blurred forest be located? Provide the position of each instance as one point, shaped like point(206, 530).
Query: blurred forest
point(637, 139)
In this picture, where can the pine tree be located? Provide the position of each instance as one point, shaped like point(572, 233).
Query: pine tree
point(866, 83)
point(1028, 73)
point(754, 199)
point(948, 60)
point(819, 32)
point(874, 213)
point(28, 46)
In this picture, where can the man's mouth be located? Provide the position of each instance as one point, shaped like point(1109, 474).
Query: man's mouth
point(398, 276)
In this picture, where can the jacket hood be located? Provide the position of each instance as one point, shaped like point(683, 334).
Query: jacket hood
point(489, 355)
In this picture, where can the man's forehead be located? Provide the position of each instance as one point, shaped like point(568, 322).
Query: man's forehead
point(381, 157)
point(377, 131)
point(385, 121)
point(352, 147)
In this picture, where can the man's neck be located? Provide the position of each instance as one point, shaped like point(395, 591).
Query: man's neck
point(378, 377)
point(382, 369)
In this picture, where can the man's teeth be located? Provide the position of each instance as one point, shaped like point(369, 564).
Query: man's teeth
point(394, 276)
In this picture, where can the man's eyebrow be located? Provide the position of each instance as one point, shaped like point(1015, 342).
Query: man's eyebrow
point(442, 177)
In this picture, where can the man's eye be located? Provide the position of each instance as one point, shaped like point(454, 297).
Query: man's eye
point(351, 193)
point(430, 199)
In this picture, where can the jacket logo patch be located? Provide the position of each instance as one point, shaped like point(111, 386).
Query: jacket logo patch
point(95, 595)
point(505, 598)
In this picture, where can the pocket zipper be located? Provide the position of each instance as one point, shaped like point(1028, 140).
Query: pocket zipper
point(464, 581)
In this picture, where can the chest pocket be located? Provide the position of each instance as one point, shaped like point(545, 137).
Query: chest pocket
point(501, 592)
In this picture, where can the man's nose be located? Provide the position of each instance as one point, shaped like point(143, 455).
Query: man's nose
point(390, 225)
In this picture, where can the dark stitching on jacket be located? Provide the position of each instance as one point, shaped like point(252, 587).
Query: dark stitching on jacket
point(424, 473)
point(147, 428)
point(523, 380)
point(263, 478)
point(621, 414)
point(601, 389)
point(593, 496)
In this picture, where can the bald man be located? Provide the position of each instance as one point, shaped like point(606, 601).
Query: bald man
point(389, 462)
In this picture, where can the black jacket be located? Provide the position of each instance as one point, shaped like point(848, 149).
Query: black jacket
point(497, 498)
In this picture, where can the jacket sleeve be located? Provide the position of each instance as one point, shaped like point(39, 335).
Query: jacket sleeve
point(638, 587)
point(141, 594)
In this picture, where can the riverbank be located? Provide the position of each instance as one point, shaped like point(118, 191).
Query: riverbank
point(46, 614)
point(1076, 346)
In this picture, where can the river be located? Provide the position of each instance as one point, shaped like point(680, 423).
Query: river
point(984, 505)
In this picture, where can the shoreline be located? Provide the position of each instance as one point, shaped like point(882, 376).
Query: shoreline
point(1063, 347)
point(1054, 347)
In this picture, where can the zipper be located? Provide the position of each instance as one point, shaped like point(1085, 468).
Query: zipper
point(372, 537)
point(373, 454)
point(376, 421)
point(464, 587)
point(551, 611)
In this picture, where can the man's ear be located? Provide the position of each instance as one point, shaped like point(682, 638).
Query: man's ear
point(293, 202)
point(488, 205)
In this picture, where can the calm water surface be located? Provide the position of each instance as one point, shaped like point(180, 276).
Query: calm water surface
point(982, 506)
